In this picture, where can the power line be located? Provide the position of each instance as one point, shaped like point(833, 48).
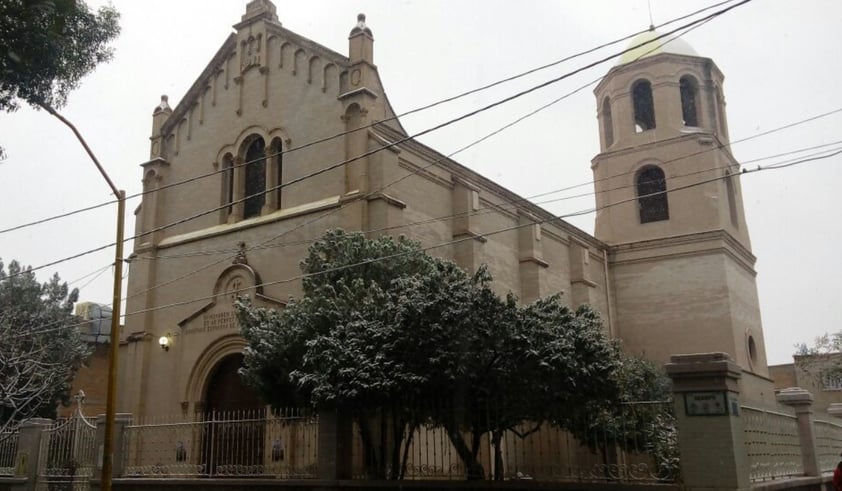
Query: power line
point(56, 217)
point(511, 204)
point(370, 125)
point(439, 126)
point(442, 101)
point(495, 232)
point(515, 203)
point(95, 272)
point(263, 244)
point(411, 137)
point(776, 166)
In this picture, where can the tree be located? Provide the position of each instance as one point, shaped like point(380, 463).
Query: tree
point(42, 349)
point(821, 361)
point(365, 338)
point(397, 339)
point(525, 366)
point(641, 421)
point(47, 47)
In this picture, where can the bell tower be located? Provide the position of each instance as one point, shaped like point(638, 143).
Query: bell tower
point(669, 205)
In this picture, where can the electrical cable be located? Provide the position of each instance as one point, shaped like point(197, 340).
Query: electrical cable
point(561, 217)
point(98, 271)
point(442, 101)
point(262, 244)
point(402, 140)
point(370, 125)
point(512, 205)
point(495, 232)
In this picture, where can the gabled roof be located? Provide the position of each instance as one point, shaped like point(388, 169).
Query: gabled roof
point(229, 48)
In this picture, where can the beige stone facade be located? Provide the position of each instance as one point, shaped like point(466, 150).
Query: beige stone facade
point(236, 193)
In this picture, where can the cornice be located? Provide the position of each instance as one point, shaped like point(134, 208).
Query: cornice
point(223, 229)
point(465, 174)
point(727, 244)
point(647, 62)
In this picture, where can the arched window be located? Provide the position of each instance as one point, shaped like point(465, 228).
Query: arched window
point(255, 177)
point(652, 195)
point(689, 100)
point(644, 106)
point(607, 122)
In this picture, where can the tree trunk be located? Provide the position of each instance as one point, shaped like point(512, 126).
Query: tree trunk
point(373, 468)
point(405, 458)
point(473, 468)
point(499, 471)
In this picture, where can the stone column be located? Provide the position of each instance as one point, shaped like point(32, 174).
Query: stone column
point(118, 462)
point(271, 167)
point(710, 432)
point(802, 401)
point(29, 449)
point(335, 444)
point(239, 193)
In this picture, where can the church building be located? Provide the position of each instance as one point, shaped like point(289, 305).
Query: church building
point(280, 139)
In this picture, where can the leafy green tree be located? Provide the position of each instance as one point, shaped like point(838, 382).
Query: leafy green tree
point(525, 366)
point(42, 349)
point(821, 361)
point(365, 339)
point(397, 339)
point(642, 420)
point(47, 47)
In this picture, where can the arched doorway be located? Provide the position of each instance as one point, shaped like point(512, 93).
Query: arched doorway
point(234, 416)
point(226, 391)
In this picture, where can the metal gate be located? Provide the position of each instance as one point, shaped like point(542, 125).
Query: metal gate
point(68, 455)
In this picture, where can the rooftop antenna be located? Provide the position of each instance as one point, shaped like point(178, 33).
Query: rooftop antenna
point(651, 22)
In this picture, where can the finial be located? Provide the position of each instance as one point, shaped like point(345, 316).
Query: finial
point(361, 27)
point(164, 105)
point(240, 257)
point(260, 9)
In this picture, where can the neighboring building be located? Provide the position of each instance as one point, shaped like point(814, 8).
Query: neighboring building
point(670, 273)
point(821, 375)
point(92, 377)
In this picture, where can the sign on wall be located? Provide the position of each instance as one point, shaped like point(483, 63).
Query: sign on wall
point(708, 403)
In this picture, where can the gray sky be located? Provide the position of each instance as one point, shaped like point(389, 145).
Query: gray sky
point(781, 60)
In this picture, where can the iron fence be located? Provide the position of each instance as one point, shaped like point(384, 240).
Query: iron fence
point(635, 444)
point(8, 452)
point(772, 444)
point(67, 455)
point(638, 444)
point(264, 443)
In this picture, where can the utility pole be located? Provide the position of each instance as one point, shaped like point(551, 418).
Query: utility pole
point(111, 403)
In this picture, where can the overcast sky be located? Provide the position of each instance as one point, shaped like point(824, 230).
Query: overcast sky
point(781, 60)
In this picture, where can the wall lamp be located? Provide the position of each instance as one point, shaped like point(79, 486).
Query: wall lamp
point(165, 341)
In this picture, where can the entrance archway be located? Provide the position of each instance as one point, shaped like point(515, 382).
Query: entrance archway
point(234, 416)
point(225, 390)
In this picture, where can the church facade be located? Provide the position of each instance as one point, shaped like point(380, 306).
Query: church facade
point(280, 139)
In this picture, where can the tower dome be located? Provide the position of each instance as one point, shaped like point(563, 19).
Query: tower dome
point(667, 44)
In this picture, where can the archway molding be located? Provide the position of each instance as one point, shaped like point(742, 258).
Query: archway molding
point(213, 354)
